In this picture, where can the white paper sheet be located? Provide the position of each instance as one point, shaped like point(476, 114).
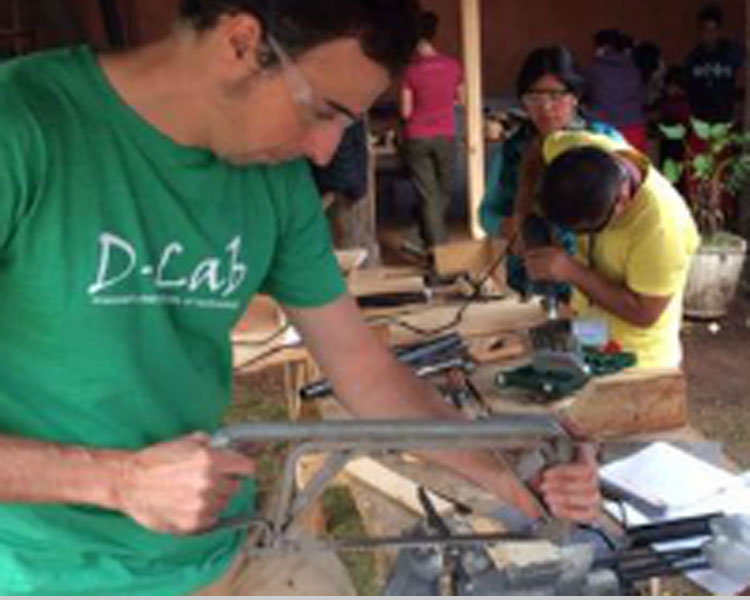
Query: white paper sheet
point(681, 486)
point(666, 477)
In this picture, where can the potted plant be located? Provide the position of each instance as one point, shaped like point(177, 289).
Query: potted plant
point(714, 162)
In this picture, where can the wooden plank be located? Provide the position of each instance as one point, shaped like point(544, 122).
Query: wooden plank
point(468, 256)
point(249, 358)
point(255, 347)
point(314, 520)
point(382, 280)
point(479, 319)
point(472, 54)
point(394, 486)
point(446, 483)
point(482, 260)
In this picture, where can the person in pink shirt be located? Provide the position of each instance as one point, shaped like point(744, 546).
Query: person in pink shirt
point(430, 88)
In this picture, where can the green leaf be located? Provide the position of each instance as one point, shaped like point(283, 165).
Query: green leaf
point(673, 132)
point(720, 131)
point(739, 175)
point(703, 166)
point(701, 128)
point(673, 170)
point(718, 145)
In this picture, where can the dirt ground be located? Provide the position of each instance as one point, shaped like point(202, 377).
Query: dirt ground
point(716, 365)
point(718, 371)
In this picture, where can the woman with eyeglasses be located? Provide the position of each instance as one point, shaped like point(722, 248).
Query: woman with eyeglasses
point(549, 88)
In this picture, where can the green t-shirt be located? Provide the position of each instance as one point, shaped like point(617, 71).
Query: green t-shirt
point(125, 260)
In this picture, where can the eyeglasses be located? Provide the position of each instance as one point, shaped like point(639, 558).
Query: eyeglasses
point(585, 228)
point(316, 111)
point(606, 220)
point(626, 179)
point(541, 97)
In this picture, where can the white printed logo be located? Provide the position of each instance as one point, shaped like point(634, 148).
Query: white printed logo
point(713, 71)
point(119, 261)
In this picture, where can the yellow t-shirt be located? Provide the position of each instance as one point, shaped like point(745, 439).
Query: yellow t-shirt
point(648, 249)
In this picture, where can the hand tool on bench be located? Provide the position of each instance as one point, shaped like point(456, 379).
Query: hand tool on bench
point(427, 358)
point(536, 233)
point(580, 568)
point(557, 366)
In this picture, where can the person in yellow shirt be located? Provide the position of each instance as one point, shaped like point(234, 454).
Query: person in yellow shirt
point(635, 243)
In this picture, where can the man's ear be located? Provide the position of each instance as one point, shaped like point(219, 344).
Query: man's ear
point(623, 198)
point(242, 41)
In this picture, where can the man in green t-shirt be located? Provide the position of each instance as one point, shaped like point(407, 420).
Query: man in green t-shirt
point(145, 197)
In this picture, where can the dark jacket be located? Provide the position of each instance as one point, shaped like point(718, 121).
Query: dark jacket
point(710, 80)
point(346, 174)
point(614, 90)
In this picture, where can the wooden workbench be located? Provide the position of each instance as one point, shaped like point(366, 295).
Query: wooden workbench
point(263, 340)
point(495, 332)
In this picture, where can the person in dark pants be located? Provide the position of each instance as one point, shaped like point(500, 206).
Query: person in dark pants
point(711, 70)
point(674, 109)
point(430, 88)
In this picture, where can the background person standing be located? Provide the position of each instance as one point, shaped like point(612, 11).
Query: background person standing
point(430, 88)
point(711, 70)
point(614, 88)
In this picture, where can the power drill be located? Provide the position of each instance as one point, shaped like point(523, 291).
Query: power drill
point(557, 365)
point(536, 233)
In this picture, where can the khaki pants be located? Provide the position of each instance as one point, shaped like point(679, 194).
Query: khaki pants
point(297, 574)
point(430, 162)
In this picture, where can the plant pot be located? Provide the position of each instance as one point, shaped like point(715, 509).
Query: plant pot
point(714, 275)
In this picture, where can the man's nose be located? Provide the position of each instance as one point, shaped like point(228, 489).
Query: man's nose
point(321, 143)
point(547, 103)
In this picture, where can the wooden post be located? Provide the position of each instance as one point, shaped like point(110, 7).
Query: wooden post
point(747, 66)
point(472, 54)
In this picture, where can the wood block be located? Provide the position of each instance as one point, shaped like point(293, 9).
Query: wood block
point(469, 256)
point(497, 348)
point(383, 280)
point(627, 403)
